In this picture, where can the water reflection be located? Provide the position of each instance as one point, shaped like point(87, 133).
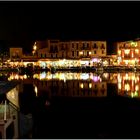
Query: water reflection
point(82, 84)
point(128, 84)
point(40, 109)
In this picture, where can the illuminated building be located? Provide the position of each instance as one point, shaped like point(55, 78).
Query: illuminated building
point(128, 53)
point(86, 52)
point(61, 54)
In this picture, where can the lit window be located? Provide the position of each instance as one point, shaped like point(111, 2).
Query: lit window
point(90, 85)
point(127, 51)
point(137, 51)
point(119, 52)
point(81, 85)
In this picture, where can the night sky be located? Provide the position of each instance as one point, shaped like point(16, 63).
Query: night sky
point(21, 23)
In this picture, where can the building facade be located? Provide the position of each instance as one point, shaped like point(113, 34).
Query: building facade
point(56, 53)
point(74, 53)
point(128, 53)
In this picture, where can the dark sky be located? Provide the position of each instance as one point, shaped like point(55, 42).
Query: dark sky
point(23, 22)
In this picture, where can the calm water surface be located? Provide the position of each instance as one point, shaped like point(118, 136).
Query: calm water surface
point(79, 105)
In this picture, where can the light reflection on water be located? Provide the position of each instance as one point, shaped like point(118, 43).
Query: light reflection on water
point(45, 109)
point(82, 84)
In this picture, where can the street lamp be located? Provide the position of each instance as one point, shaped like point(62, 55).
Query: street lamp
point(34, 48)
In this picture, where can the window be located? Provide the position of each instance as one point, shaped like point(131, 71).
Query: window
point(87, 53)
point(56, 55)
point(102, 47)
point(51, 55)
point(83, 44)
point(73, 53)
point(102, 51)
point(77, 46)
point(95, 46)
point(87, 45)
point(45, 55)
point(72, 45)
point(41, 55)
point(94, 52)
point(77, 53)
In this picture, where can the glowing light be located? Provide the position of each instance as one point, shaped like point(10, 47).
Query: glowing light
point(43, 75)
point(133, 77)
point(137, 88)
point(90, 85)
point(81, 53)
point(134, 44)
point(135, 94)
point(36, 90)
point(89, 53)
point(119, 86)
point(35, 47)
point(81, 85)
point(119, 52)
point(25, 76)
point(126, 76)
point(85, 76)
point(127, 87)
point(94, 60)
point(133, 61)
point(35, 76)
point(106, 75)
point(137, 51)
point(132, 54)
point(17, 76)
point(126, 62)
point(95, 78)
point(126, 51)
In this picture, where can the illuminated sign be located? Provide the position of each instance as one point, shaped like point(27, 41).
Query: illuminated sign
point(134, 44)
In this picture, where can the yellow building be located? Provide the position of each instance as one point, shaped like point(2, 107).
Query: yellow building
point(63, 53)
point(73, 53)
point(128, 53)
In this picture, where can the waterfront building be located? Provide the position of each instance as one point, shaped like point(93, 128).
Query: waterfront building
point(128, 53)
point(62, 54)
point(72, 53)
